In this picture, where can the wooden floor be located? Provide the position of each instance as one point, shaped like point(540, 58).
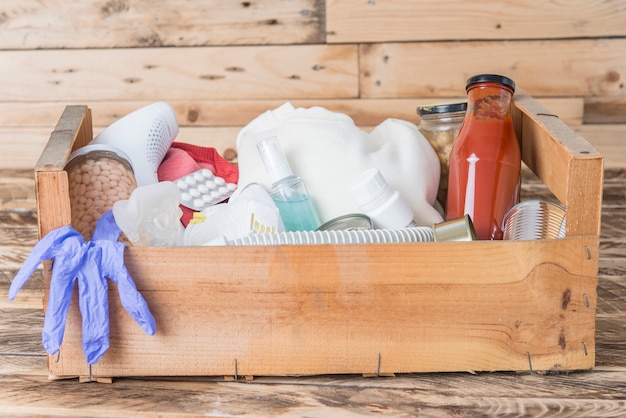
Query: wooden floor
point(26, 389)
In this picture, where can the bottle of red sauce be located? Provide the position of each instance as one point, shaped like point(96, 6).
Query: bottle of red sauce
point(485, 162)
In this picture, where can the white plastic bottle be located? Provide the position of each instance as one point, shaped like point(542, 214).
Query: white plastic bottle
point(384, 205)
point(288, 190)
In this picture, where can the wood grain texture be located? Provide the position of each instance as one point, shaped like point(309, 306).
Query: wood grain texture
point(31, 24)
point(279, 343)
point(569, 165)
point(244, 72)
point(347, 316)
point(605, 110)
point(20, 332)
point(27, 390)
point(423, 20)
point(437, 395)
point(610, 140)
point(238, 113)
point(588, 67)
point(25, 127)
point(585, 67)
point(114, 55)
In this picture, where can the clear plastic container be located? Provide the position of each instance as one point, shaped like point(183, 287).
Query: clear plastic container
point(99, 176)
point(288, 190)
point(440, 124)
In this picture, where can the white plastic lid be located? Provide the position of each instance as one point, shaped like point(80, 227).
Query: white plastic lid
point(373, 195)
point(99, 147)
point(370, 190)
point(274, 159)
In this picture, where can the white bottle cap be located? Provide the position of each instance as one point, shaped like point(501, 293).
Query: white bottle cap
point(370, 190)
point(373, 195)
point(274, 159)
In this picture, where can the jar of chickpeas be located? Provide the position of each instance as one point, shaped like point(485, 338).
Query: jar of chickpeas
point(440, 124)
point(99, 176)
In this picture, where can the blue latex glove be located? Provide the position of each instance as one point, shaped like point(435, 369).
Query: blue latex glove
point(89, 263)
point(66, 247)
point(112, 251)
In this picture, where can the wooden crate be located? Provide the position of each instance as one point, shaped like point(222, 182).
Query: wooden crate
point(371, 308)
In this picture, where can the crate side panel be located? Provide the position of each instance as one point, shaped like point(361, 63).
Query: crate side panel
point(73, 130)
point(338, 309)
point(570, 166)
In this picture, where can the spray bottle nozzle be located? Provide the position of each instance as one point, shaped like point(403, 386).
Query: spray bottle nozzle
point(274, 159)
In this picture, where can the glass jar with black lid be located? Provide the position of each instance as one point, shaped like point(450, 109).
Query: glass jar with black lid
point(440, 124)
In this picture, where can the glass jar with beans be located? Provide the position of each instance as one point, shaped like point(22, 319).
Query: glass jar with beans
point(440, 124)
point(99, 176)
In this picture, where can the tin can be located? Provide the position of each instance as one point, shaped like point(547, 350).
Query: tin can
point(535, 219)
point(350, 222)
point(459, 229)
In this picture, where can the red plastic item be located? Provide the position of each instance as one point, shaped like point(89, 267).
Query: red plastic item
point(485, 162)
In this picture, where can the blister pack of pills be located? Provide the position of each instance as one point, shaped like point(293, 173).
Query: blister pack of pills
point(201, 189)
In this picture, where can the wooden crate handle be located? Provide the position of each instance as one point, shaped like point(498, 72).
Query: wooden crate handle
point(570, 166)
point(73, 130)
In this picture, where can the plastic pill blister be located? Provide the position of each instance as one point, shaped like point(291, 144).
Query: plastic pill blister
point(201, 189)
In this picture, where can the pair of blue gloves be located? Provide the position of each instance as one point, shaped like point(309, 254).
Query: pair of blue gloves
point(90, 263)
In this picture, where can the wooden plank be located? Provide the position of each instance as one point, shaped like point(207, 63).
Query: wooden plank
point(25, 127)
point(17, 191)
point(73, 130)
point(270, 283)
point(27, 391)
point(578, 394)
point(614, 195)
point(23, 146)
point(585, 67)
point(262, 72)
point(310, 71)
point(235, 112)
point(569, 165)
point(605, 110)
point(20, 331)
point(241, 112)
point(423, 20)
point(23, 365)
point(609, 140)
point(32, 24)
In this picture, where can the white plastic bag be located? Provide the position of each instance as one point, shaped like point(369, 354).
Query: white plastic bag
point(328, 151)
point(250, 210)
point(151, 216)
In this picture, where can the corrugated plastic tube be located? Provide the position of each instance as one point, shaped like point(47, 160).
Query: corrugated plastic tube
point(358, 236)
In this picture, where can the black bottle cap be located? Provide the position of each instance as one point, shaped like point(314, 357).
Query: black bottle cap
point(442, 108)
point(493, 78)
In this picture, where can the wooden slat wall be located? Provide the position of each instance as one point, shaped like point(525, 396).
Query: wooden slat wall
point(221, 63)
point(50, 24)
point(451, 20)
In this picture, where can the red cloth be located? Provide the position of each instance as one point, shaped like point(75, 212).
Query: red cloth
point(182, 159)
